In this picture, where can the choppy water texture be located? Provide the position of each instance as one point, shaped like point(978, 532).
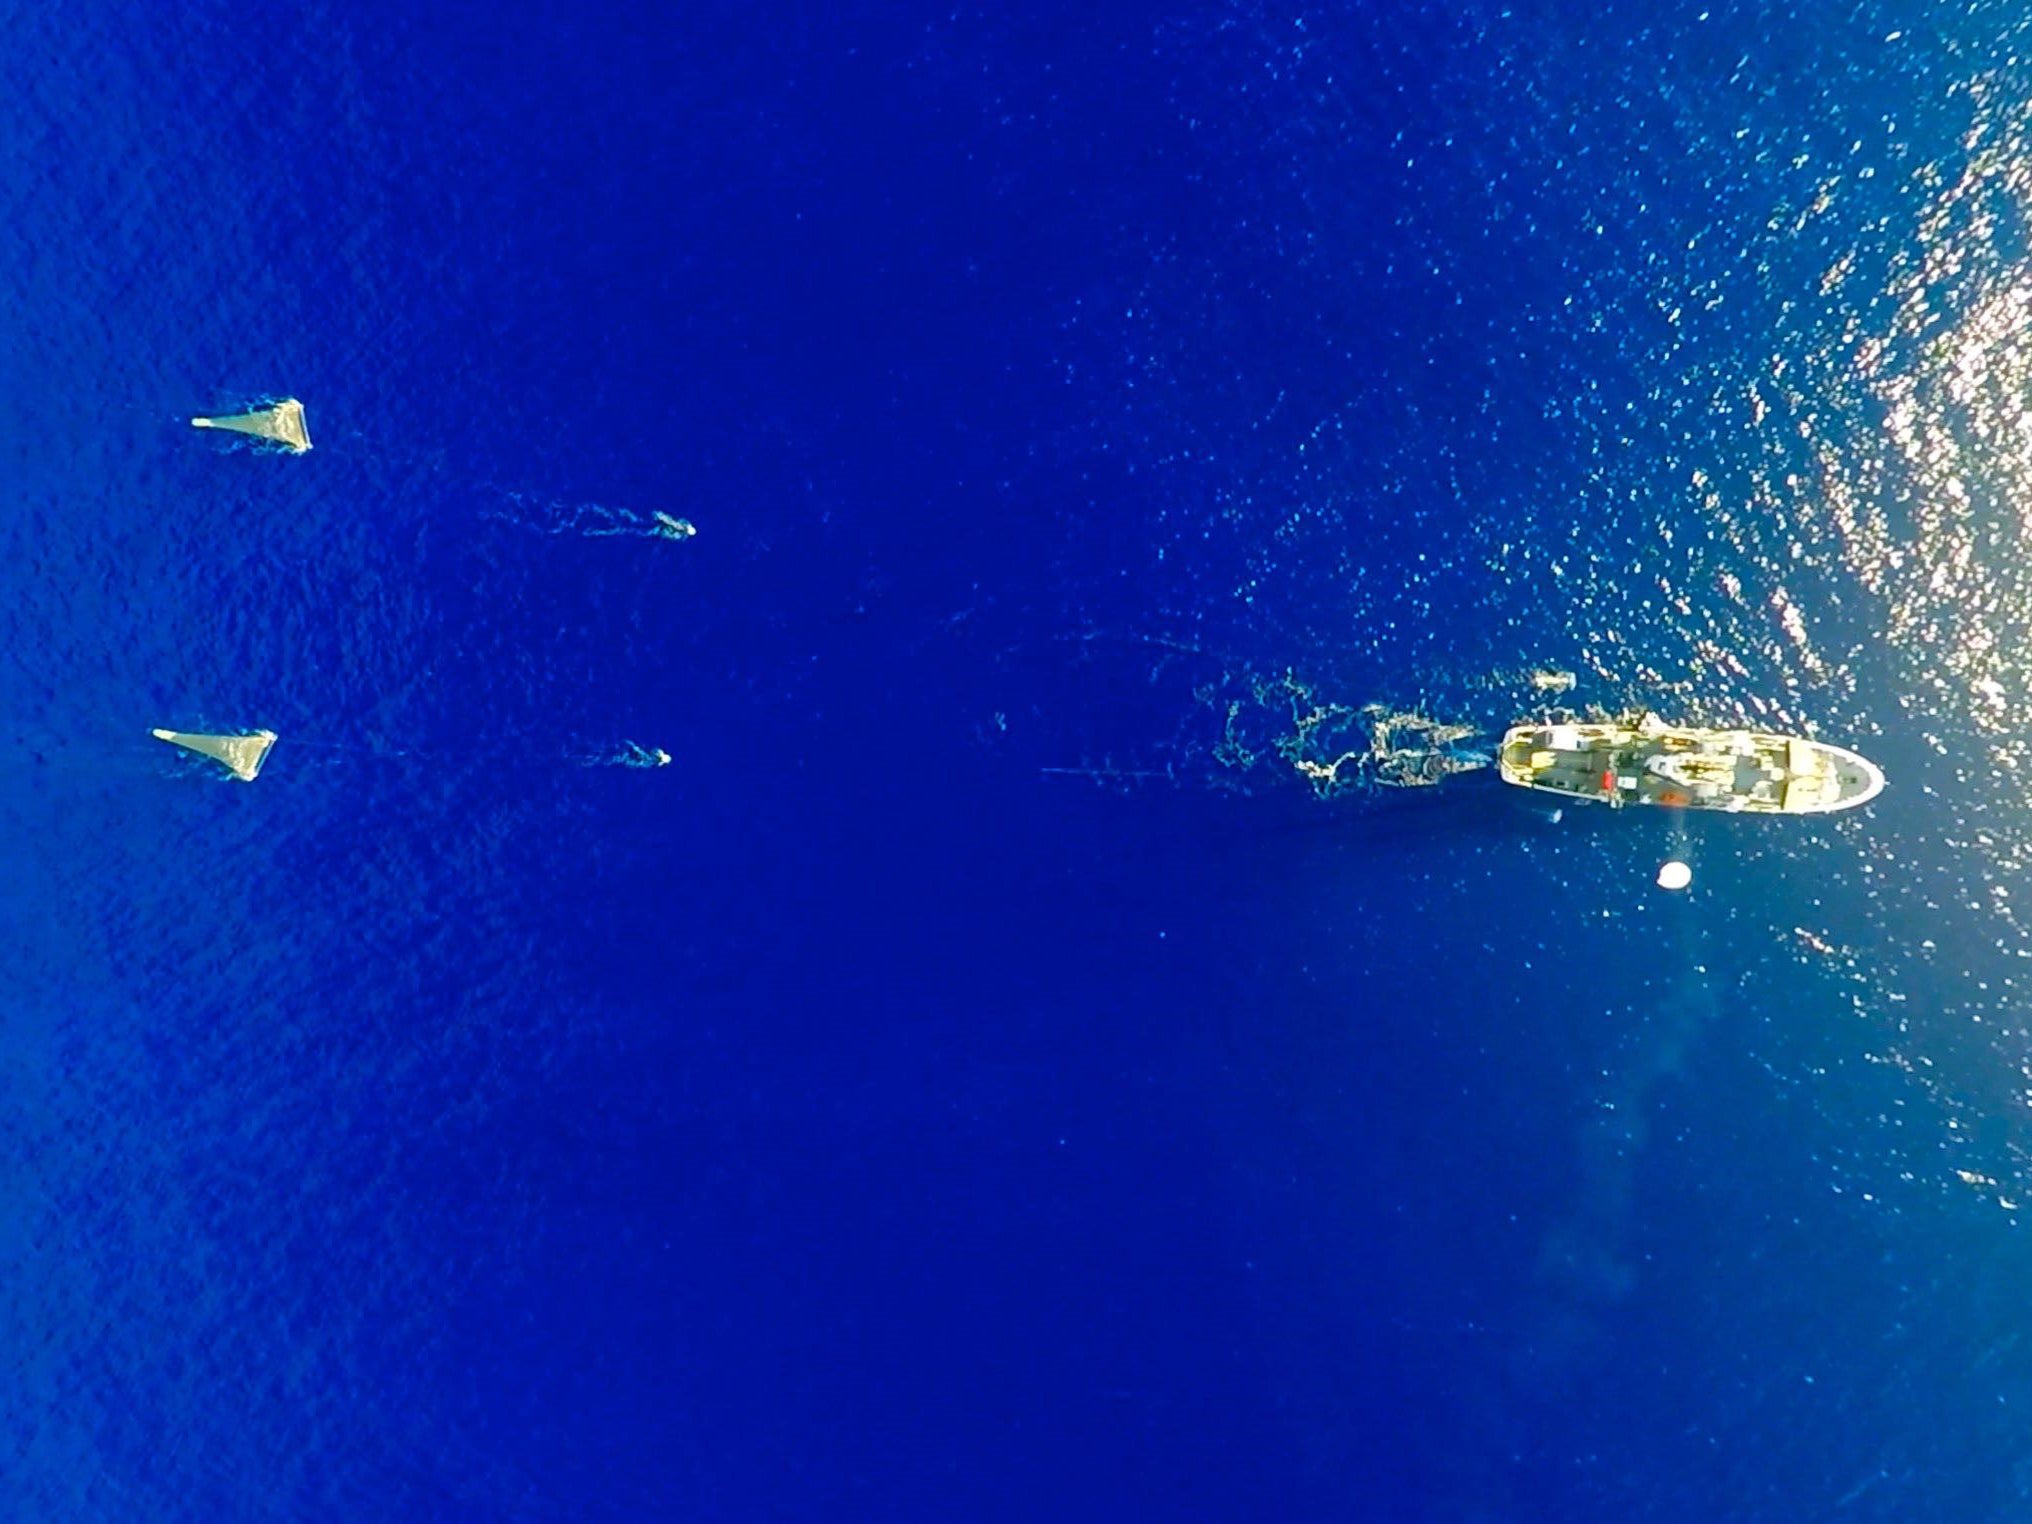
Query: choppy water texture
point(861, 1114)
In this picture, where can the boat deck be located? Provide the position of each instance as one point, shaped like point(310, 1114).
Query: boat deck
point(1647, 762)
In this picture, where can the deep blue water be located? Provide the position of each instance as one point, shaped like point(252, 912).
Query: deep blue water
point(865, 1116)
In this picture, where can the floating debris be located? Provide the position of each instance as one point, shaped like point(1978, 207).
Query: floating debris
point(1674, 875)
point(1335, 747)
point(1407, 750)
point(240, 755)
point(1549, 680)
point(283, 422)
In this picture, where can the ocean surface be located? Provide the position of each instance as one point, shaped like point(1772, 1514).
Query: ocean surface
point(990, 1073)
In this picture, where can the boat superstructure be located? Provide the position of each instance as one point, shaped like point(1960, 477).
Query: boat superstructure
point(1640, 759)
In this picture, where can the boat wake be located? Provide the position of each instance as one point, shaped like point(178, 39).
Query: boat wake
point(1241, 731)
point(589, 520)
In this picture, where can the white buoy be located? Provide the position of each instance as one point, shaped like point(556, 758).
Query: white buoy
point(1674, 876)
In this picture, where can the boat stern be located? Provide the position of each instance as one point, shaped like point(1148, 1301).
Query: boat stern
point(1523, 755)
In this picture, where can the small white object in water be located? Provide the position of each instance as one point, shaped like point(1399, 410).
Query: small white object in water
point(1674, 876)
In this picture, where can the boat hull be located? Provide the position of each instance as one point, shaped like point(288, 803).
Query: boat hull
point(1643, 761)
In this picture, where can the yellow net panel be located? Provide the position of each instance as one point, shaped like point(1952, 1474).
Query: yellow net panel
point(240, 755)
point(284, 423)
